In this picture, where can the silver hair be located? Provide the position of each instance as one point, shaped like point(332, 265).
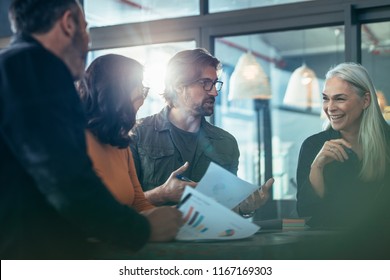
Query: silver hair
point(373, 127)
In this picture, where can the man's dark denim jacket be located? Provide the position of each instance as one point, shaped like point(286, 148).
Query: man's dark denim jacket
point(156, 155)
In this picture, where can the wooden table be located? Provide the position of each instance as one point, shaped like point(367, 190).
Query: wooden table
point(286, 244)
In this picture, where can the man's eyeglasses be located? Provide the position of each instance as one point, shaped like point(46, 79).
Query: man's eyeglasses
point(145, 92)
point(208, 84)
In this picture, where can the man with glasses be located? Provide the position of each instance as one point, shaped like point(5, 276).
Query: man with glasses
point(179, 140)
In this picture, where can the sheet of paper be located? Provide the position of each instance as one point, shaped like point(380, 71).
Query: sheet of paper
point(224, 187)
point(205, 219)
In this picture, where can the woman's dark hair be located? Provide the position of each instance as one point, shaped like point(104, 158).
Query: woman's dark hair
point(105, 92)
point(39, 16)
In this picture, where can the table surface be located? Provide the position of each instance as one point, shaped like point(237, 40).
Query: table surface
point(278, 244)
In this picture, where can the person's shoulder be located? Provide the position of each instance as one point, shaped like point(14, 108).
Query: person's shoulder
point(22, 48)
point(318, 135)
point(24, 53)
point(143, 124)
point(217, 132)
point(144, 127)
point(321, 137)
point(155, 120)
point(146, 120)
point(18, 52)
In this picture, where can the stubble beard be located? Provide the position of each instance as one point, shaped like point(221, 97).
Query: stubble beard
point(205, 110)
point(80, 54)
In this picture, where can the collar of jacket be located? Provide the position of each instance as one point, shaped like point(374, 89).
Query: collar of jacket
point(24, 38)
point(162, 123)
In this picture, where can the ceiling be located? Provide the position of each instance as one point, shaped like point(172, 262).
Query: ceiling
point(111, 12)
point(375, 37)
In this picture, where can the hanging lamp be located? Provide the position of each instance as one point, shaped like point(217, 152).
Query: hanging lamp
point(303, 90)
point(249, 81)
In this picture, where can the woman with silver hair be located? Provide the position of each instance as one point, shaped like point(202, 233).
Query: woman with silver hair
point(342, 171)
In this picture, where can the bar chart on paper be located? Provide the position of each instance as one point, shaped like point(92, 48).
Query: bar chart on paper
point(194, 219)
point(202, 220)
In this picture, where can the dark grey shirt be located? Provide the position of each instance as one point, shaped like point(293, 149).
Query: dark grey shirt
point(186, 144)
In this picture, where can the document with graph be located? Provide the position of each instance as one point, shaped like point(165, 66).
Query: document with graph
point(206, 219)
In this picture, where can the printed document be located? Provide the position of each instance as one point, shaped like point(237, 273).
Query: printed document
point(224, 187)
point(207, 209)
point(206, 219)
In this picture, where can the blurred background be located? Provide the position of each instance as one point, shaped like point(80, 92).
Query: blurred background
point(291, 44)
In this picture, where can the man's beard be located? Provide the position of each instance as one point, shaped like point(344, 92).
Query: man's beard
point(206, 109)
point(80, 53)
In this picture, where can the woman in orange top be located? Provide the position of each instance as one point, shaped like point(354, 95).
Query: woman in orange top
point(112, 92)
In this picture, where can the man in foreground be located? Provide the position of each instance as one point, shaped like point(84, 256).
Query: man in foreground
point(51, 201)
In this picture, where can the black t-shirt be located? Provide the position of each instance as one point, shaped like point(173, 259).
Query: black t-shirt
point(186, 143)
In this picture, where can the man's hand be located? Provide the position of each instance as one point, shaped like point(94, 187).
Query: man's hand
point(257, 198)
point(173, 188)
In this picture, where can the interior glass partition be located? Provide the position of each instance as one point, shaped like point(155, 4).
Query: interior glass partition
point(375, 49)
point(279, 54)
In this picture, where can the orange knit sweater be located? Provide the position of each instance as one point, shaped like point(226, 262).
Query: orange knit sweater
point(116, 168)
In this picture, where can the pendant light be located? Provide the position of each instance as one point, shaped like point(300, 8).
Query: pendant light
point(303, 90)
point(249, 81)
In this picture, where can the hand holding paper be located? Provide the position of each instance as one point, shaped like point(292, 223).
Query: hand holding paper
point(224, 187)
point(173, 188)
point(203, 220)
point(257, 199)
point(216, 193)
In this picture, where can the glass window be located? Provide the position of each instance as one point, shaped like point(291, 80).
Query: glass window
point(376, 58)
point(278, 54)
point(216, 6)
point(154, 58)
point(113, 12)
